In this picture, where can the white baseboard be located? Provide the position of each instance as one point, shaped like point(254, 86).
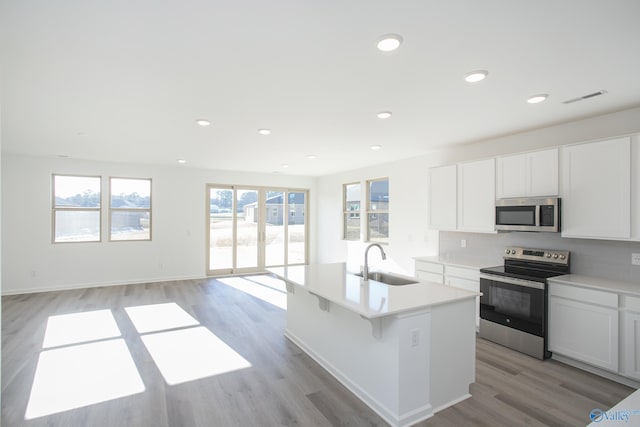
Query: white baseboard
point(597, 371)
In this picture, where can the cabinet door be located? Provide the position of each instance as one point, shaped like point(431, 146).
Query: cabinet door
point(476, 196)
point(511, 176)
point(442, 197)
point(585, 332)
point(469, 285)
point(543, 173)
point(427, 276)
point(527, 175)
point(635, 187)
point(630, 344)
point(596, 190)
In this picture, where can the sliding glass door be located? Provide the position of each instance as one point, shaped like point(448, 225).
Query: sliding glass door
point(252, 228)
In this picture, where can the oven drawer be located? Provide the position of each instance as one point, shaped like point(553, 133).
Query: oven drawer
point(577, 293)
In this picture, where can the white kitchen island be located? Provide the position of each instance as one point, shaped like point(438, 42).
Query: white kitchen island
point(406, 351)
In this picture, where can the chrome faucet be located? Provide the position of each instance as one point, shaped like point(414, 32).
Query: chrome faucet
point(365, 269)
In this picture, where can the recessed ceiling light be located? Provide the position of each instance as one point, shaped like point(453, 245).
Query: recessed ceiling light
point(389, 42)
point(182, 161)
point(311, 156)
point(384, 114)
point(264, 131)
point(63, 156)
point(475, 76)
point(203, 122)
point(284, 165)
point(535, 99)
point(376, 147)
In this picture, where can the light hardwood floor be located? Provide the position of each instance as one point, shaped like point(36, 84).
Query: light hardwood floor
point(283, 386)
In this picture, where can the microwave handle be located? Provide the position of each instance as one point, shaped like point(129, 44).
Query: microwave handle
point(538, 210)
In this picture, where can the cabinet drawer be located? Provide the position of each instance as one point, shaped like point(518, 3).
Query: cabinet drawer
point(630, 303)
point(431, 267)
point(463, 273)
point(577, 293)
point(469, 285)
point(430, 277)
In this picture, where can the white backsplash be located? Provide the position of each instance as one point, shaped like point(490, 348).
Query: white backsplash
point(598, 258)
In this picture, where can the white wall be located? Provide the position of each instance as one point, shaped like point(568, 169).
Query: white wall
point(408, 189)
point(30, 262)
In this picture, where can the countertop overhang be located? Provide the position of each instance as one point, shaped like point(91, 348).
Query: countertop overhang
point(370, 299)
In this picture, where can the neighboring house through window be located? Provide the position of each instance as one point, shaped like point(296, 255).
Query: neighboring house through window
point(130, 209)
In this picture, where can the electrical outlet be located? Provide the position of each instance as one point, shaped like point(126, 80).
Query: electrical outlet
point(415, 338)
point(635, 259)
point(463, 243)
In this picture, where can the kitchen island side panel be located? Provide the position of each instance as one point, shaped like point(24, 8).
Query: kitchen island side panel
point(387, 373)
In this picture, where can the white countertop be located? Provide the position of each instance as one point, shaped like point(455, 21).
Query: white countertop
point(625, 413)
point(458, 261)
point(600, 284)
point(369, 299)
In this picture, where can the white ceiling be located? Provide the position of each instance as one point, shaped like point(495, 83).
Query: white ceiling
point(124, 80)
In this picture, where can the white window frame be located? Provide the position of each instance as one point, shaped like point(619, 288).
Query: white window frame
point(148, 210)
point(55, 208)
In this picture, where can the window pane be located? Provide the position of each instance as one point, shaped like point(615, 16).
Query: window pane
point(274, 232)
point(77, 226)
point(76, 191)
point(130, 225)
point(379, 195)
point(352, 226)
point(379, 227)
point(352, 196)
point(297, 230)
point(220, 228)
point(247, 228)
point(130, 193)
point(351, 222)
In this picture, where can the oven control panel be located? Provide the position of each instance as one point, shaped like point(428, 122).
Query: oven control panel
point(542, 255)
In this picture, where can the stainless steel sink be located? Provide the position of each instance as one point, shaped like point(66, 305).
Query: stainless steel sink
point(389, 279)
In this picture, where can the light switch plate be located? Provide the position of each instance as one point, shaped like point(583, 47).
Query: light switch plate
point(635, 259)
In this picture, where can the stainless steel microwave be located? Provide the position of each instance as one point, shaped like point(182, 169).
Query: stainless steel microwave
point(528, 214)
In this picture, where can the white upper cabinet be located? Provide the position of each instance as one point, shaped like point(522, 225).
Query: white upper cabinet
point(532, 174)
point(442, 197)
point(596, 190)
point(476, 196)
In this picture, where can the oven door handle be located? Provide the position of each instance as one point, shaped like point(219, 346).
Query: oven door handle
point(513, 281)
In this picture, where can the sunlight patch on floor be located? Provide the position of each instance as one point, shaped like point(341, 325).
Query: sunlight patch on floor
point(82, 375)
point(77, 328)
point(191, 354)
point(159, 317)
point(266, 294)
point(269, 281)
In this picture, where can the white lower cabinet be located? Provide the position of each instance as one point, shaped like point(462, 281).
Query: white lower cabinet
point(630, 337)
point(469, 285)
point(583, 325)
point(460, 277)
point(430, 271)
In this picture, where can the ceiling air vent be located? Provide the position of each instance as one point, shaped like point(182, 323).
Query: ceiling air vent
point(583, 97)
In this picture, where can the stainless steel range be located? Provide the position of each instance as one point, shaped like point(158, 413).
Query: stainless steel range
point(513, 305)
